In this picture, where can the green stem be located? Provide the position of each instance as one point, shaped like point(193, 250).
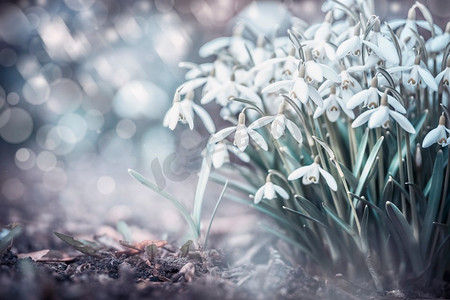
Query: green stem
point(400, 166)
point(412, 195)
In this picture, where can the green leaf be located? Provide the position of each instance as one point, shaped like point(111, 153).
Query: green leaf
point(181, 209)
point(406, 236)
point(361, 151)
point(393, 167)
point(205, 170)
point(352, 181)
point(151, 251)
point(365, 230)
point(305, 216)
point(124, 230)
point(184, 250)
point(214, 214)
point(7, 235)
point(290, 240)
point(341, 223)
point(368, 166)
point(78, 245)
point(434, 197)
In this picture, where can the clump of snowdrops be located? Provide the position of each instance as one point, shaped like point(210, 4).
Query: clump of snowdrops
point(338, 132)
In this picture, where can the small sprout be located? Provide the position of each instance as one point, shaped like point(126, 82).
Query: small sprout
point(151, 251)
point(184, 250)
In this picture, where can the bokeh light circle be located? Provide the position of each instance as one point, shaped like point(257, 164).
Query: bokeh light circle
point(19, 126)
point(36, 90)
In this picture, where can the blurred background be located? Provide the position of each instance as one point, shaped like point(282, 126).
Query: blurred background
point(84, 85)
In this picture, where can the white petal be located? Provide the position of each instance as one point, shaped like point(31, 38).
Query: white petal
point(219, 155)
point(263, 121)
point(220, 135)
point(374, 48)
point(333, 114)
point(294, 130)
point(280, 191)
point(283, 84)
point(347, 111)
point(347, 47)
point(187, 112)
point(241, 137)
point(402, 121)
point(173, 116)
point(300, 172)
point(329, 73)
point(267, 64)
point(278, 126)
point(433, 136)
point(263, 77)
point(191, 85)
point(314, 71)
point(396, 105)
point(399, 69)
point(329, 51)
point(205, 117)
point(259, 194)
point(269, 191)
point(428, 78)
point(357, 99)
point(301, 90)
point(319, 111)
point(212, 94)
point(241, 155)
point(248, 94)
point(362, 118)
point(213, 46)
point(389, 50)
point(258, 139)
point(379, 117)
point(440, 76)
point(329, 179)
point(315, 96)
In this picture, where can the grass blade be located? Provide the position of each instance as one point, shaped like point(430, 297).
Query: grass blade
point(78, 245)
point(361, 151)
point(214, 213)
point(406, 236)
point(368, 166)
point(180, 207)
point(437, 179)
point(205, 170)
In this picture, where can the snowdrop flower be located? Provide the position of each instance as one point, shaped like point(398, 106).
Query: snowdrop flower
point(184, 111)
point(269, 191)
point(331, 6)
point(229, 90)
point(439, 42)
point(241, 136)
point(316, 72)
point(380, 117)
point(332, 106)
point(297, 87)
point(210, 82)
point(236, 45)
point(218, 153)
point(439, 135)
point(389, 52)
point(320, 46)
point(370, 98)
point(279, 124)
point(407, 35)
point(419, 73)
point(312, 173)
point(444, 76)
point(352, 45)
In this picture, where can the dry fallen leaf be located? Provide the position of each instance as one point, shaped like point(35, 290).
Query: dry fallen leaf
point(139, 247)
point(35, 256)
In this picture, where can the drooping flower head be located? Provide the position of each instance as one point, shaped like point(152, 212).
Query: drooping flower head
point(270, 191)
point(310, 174)
point(439, 135)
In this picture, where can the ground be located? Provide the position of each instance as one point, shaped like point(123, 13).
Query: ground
point(156, 270)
